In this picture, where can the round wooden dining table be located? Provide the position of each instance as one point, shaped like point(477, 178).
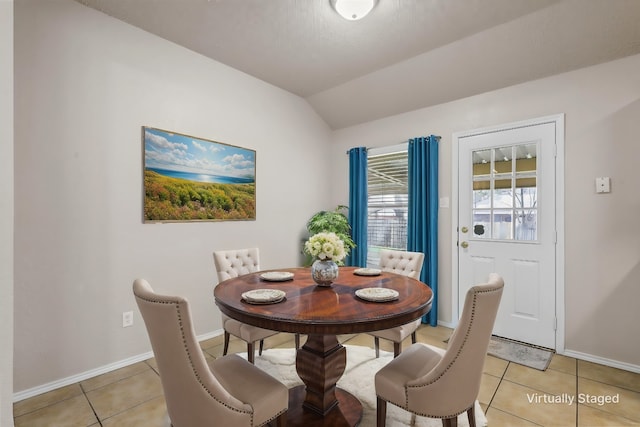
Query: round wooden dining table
point(322, 313)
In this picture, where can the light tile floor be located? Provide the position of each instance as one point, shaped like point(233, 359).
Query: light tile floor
point(510, 394)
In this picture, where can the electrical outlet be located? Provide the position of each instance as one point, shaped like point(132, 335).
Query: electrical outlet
point(127, 319)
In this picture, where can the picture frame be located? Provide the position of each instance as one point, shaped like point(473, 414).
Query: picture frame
point(186, 178)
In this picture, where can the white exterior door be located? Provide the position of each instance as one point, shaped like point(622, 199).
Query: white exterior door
point(507, 225)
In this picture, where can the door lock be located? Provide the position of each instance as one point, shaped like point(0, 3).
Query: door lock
point(464, 229)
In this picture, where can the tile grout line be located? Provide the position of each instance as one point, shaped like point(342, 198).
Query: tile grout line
point(124, 378)
point(56, 402)
point(496, 392)
point(84, 393)
point(499, 383)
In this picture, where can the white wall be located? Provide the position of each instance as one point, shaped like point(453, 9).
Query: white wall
point(6, 212)
point(84, 85)
point(602, 107)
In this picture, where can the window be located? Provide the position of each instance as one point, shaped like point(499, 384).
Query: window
point(388, 201)
point(505, 193)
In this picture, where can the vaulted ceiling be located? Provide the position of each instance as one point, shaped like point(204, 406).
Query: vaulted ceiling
point(405, 55)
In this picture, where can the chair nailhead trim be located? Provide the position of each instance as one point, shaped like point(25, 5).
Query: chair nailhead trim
point(189, 357)
point(466, 336)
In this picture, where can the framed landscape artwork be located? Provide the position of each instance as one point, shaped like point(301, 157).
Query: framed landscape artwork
point(194, 179)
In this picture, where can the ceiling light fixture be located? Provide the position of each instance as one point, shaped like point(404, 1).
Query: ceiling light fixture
point(353, 10)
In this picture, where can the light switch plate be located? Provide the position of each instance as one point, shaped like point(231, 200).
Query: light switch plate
point(603, 184)
point(127, 319)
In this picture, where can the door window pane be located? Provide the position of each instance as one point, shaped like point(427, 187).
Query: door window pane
point(503, 161)
point(505, 193)
point(481, 164)
point(481, 224)
point(526, 193)
point(527, 224)
point(503, 224)
point(481, 198)
point(526, 160)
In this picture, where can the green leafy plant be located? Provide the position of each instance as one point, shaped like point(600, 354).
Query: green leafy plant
point(334, 221)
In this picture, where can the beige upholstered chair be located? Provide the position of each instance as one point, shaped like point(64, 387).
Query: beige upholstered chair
point(438, 383)
point(234, 263)
point(229, 391)
point(407, 264)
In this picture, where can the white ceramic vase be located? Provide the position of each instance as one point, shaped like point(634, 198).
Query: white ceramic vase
point(324, 272)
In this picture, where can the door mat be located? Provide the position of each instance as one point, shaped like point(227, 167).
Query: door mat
point(520, 353)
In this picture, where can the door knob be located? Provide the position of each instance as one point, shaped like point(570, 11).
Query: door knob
point(464, 245)
point(464, 229)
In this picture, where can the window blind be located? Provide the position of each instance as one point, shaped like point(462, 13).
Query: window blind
point(387, 205)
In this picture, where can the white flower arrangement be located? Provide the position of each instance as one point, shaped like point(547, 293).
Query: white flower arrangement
point(325, 246)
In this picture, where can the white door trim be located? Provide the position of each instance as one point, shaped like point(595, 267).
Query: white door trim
point(558, 119)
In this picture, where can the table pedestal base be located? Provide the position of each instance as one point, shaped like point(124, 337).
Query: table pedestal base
point(347, 413)
point(320, 363)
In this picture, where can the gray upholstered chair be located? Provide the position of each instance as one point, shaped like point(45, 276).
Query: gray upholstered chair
point(437, 383)
point(407, 264)
point(227, 391)
point(234, 263)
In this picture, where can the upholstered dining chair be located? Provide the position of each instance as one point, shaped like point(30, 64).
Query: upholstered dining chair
point(407, 264)
point(226, 391)
point(234, 263)
point(437, 383)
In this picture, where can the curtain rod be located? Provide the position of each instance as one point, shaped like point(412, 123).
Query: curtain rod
point(438, 138)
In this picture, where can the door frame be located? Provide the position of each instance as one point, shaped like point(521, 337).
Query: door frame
point(558, 120)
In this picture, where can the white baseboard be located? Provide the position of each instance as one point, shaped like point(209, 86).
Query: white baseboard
point(582, 356)
point(25, 394)
point(602, 361)
point(446, 324)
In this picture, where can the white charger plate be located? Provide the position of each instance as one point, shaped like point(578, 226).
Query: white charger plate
point(263, 296)
point(377, 294)
point(367, 272)
point(277, 276)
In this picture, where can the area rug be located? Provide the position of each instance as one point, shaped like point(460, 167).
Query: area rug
point(520, 353)
point(358, 379)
